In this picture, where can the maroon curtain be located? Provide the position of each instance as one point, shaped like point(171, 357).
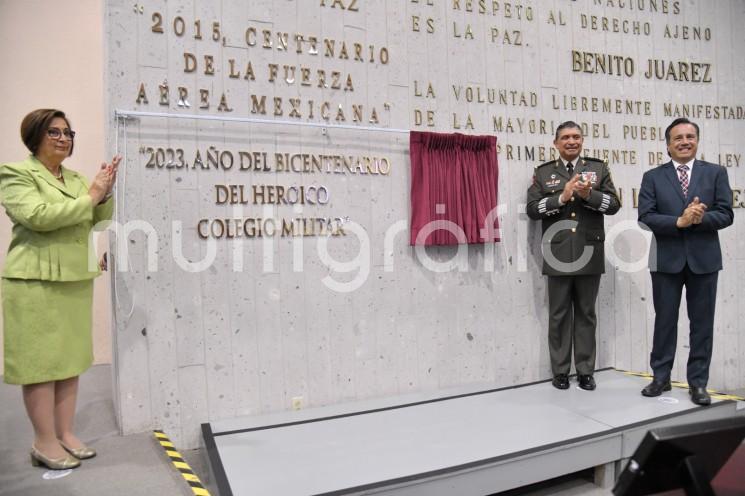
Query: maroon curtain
point(453, 183)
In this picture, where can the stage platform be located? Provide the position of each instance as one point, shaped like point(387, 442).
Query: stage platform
point(464, 442)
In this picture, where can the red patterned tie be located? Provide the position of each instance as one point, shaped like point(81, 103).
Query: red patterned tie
point(683, 176)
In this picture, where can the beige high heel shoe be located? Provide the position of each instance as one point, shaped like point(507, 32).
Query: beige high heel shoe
point(80, 453)
point(38, 458)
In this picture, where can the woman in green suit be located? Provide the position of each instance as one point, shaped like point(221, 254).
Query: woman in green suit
point(47, 281)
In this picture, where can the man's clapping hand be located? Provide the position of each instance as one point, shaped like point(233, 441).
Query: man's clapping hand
point(569, 189)
point(583, 188)
point(693, 214)
point(576, 185)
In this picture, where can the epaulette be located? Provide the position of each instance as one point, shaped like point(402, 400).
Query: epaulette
point(593, 159)
point(550, 162)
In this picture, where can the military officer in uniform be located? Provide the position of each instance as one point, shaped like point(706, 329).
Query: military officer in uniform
point(570, 196)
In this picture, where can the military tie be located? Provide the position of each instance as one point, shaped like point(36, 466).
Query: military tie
point(570, 168)
point(683, 176)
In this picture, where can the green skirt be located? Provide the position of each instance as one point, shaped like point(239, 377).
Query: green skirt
point(46, 329)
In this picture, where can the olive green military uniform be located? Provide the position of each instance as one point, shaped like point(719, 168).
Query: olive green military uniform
point(573, 256)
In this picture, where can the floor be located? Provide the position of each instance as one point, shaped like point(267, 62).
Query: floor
point(125, 465)
point(136, 464)
point(334, 448)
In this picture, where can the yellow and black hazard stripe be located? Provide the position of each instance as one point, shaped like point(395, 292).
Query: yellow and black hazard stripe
point(684, 385)
point(178, 461)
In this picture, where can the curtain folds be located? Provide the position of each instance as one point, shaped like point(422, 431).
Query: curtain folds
point(453, 188)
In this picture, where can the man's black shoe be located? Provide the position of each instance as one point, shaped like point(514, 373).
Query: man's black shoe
point(561, 381)
point(655, 388)
point(700, 396)
point(586, 382)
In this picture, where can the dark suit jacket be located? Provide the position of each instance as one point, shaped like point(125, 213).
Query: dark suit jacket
point(661, 202)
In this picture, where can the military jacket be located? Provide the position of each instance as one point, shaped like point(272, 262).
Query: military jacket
point(573, 234)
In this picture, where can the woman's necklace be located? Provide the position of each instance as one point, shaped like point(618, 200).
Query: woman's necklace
point(58, 176)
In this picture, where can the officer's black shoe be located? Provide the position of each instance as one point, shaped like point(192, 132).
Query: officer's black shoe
point(655, 388)
point(700, 396)
point(561, 381)
point(586, 382)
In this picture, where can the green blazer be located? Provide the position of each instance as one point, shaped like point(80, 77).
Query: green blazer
point(51, 222)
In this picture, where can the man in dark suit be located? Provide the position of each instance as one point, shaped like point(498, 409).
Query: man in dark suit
point(684, 203)
point(570, 196)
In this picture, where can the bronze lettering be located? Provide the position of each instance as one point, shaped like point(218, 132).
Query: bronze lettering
point(141, 96)
point(665, 70)
point(190, 62)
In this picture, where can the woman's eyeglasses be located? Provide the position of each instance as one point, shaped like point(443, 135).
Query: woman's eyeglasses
point(57, 133)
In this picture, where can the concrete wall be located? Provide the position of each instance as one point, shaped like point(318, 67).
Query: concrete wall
point(51, 54)
point(251, 331)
